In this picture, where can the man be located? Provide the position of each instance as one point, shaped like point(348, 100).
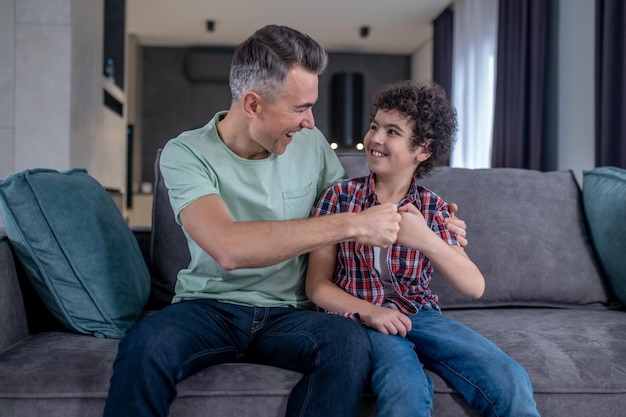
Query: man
point(242, 188)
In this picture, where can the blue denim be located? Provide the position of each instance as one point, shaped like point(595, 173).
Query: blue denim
point(490, 381)
point(330, 351)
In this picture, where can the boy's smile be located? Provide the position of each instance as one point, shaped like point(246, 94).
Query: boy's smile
point(388, 144)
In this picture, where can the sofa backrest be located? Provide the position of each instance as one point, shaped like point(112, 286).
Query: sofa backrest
point(168, 249)
point(12, 303)
point(528, 235)
point(526, 232)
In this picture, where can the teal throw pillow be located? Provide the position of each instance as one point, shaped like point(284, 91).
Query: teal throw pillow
point(604, 196)
point(76, 249)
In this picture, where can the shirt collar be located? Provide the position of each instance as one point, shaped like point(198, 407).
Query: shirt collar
point(412, 196)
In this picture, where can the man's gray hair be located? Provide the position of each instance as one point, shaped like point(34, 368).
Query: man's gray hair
point(261, 63)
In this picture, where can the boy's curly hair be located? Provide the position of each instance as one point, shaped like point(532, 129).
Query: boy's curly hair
point(434, 117)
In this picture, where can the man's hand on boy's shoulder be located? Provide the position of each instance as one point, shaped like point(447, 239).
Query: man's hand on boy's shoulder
point(456, 225)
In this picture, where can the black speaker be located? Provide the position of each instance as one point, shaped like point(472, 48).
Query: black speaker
point(347, 109)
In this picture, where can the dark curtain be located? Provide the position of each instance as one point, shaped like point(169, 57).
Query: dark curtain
point(519, 102)
point(442, 50)
point(443, 30)
point(610, 83)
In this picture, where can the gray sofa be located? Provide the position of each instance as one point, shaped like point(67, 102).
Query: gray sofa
point(547, 303)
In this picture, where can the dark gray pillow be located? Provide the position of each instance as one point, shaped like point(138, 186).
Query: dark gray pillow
point(170, 253)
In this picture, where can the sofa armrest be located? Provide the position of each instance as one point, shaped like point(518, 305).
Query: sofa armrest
point(21, 310)
point(13, 319)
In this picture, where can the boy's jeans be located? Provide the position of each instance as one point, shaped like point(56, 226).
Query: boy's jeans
point(332, 353)
point(489, 380)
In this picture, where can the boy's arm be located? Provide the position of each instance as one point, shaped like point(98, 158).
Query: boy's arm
point(255, 244)
point(452, 261)
point(323, 292)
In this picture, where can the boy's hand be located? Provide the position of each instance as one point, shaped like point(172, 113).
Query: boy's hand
point(414, 231)
point(387, 321)
point(456, 225)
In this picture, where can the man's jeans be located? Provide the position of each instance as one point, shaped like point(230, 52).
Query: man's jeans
point(330, 351)
point(489, 380)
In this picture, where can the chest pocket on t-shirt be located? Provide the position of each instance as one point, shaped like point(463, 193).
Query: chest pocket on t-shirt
point(297, 202)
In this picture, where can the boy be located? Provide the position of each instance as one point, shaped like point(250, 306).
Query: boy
point(386, 288)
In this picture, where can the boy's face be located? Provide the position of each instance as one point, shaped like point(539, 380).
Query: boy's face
point(389, 148)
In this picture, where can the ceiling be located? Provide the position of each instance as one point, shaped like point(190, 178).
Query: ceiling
point(396, 26)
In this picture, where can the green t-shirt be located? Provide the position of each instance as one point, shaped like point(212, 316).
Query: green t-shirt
point(280, 187)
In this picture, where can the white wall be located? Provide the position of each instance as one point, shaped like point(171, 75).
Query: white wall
point(7, 85)
point(575, 68)
point(422, 61)
point(51, 91)
point(97, 138)
point(42, 84)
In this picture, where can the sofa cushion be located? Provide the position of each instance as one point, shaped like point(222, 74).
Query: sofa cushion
point(527, 234)
point(604, 197)
point(76, 249)
point(574, 356)
point(62, 374)
point(170, 253)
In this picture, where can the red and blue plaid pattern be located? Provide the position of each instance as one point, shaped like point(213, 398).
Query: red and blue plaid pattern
point(410, 270)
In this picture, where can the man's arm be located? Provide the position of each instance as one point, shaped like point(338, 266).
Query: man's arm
point(456, 225)
point(237, 245)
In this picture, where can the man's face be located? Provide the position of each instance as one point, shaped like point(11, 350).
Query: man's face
point(291, 111)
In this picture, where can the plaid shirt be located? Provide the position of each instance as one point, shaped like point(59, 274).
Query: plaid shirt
point(410, 271)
